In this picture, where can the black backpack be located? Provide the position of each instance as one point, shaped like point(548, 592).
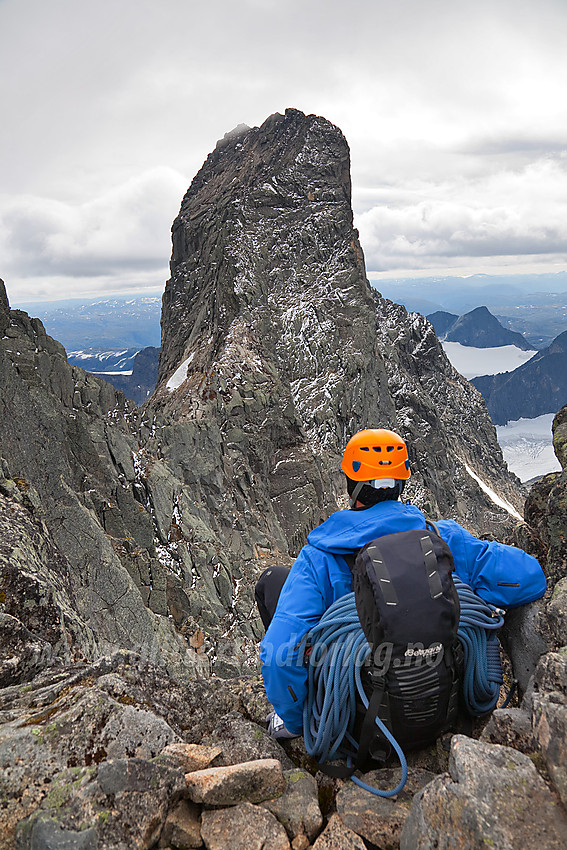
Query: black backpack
point(409, 611)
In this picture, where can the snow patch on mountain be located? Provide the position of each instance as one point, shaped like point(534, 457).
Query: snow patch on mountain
point(528, 448)
point(471, 362)
point(502, 503)
point(180, 374)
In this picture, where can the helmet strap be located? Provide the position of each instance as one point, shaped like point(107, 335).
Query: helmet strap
point(355, 492)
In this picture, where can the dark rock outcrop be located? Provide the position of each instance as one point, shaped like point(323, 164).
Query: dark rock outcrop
point(530, 631)
point(534, 388)
point(546, 511)
point(77, 544)
point(478, 328)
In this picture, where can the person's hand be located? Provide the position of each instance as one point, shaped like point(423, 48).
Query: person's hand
point(276, 727)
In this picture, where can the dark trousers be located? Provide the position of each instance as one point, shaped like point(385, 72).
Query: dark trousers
point(267, 592)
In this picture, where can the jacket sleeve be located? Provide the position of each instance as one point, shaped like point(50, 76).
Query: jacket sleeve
point(500, 574)
point(301, 605)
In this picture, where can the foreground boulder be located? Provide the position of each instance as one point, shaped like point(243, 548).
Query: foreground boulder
point(492, 797)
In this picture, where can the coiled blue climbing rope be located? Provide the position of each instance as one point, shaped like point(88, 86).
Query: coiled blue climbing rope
point(338, 652)
point(482, 676)
point(339, 649)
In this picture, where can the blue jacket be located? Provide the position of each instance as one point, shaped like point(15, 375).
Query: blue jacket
point(320, 576)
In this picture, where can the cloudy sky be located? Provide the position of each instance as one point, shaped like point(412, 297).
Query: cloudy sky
point(454, 110)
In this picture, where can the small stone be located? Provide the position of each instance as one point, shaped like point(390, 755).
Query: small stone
point(45, 834)
point(190, 757)
point(337, 836)
point(253, 781)
point(511, 727)
point(243, 827)
point(300, 842)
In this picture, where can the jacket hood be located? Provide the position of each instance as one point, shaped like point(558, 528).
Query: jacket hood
point(346, 531)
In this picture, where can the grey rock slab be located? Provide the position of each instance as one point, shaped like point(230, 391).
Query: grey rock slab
point(22, 654)
point(548, 701)
point(337, 836)
point(182, 827)
point(524, 639)
point(380, 819)
point(511, 727)
point(242, 740)
point(243, 827)
point(557, 613)
point(121, 805)
point(253, 781)
point(298, 807)
point(493, 797)
point(550, 730)
point(44, 833)
point(137, 732)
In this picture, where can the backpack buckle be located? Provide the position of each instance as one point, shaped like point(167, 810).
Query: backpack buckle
point(377, 678)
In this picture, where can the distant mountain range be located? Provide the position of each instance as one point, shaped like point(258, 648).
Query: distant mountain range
point(104, 362)
point(534, 305)
point(115, 323)
point(117, 338)
point(479, 328)
point(537, 387)
point(132, 371)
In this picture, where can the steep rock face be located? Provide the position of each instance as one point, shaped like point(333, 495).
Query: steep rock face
point(451, 440)
point(271, 337)
point(78, 565)
point(546, 508)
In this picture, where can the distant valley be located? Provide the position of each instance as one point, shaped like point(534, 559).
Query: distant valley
point(117, 338)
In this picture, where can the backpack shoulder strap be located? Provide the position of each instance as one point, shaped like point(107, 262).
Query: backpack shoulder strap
point(431, 526)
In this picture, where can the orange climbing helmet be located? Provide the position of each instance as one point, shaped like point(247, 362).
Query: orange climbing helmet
point(376, 453)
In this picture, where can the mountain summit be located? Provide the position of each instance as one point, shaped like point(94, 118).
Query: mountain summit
point(276, 346)
point(478, 328)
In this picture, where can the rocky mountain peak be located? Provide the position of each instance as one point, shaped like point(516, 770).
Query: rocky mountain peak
point(271, 331)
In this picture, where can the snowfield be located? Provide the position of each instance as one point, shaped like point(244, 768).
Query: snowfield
point(527, 447)
point(472, 362)
point(527, 443)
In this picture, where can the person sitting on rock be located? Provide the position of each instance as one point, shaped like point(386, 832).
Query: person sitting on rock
point(291, 602)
